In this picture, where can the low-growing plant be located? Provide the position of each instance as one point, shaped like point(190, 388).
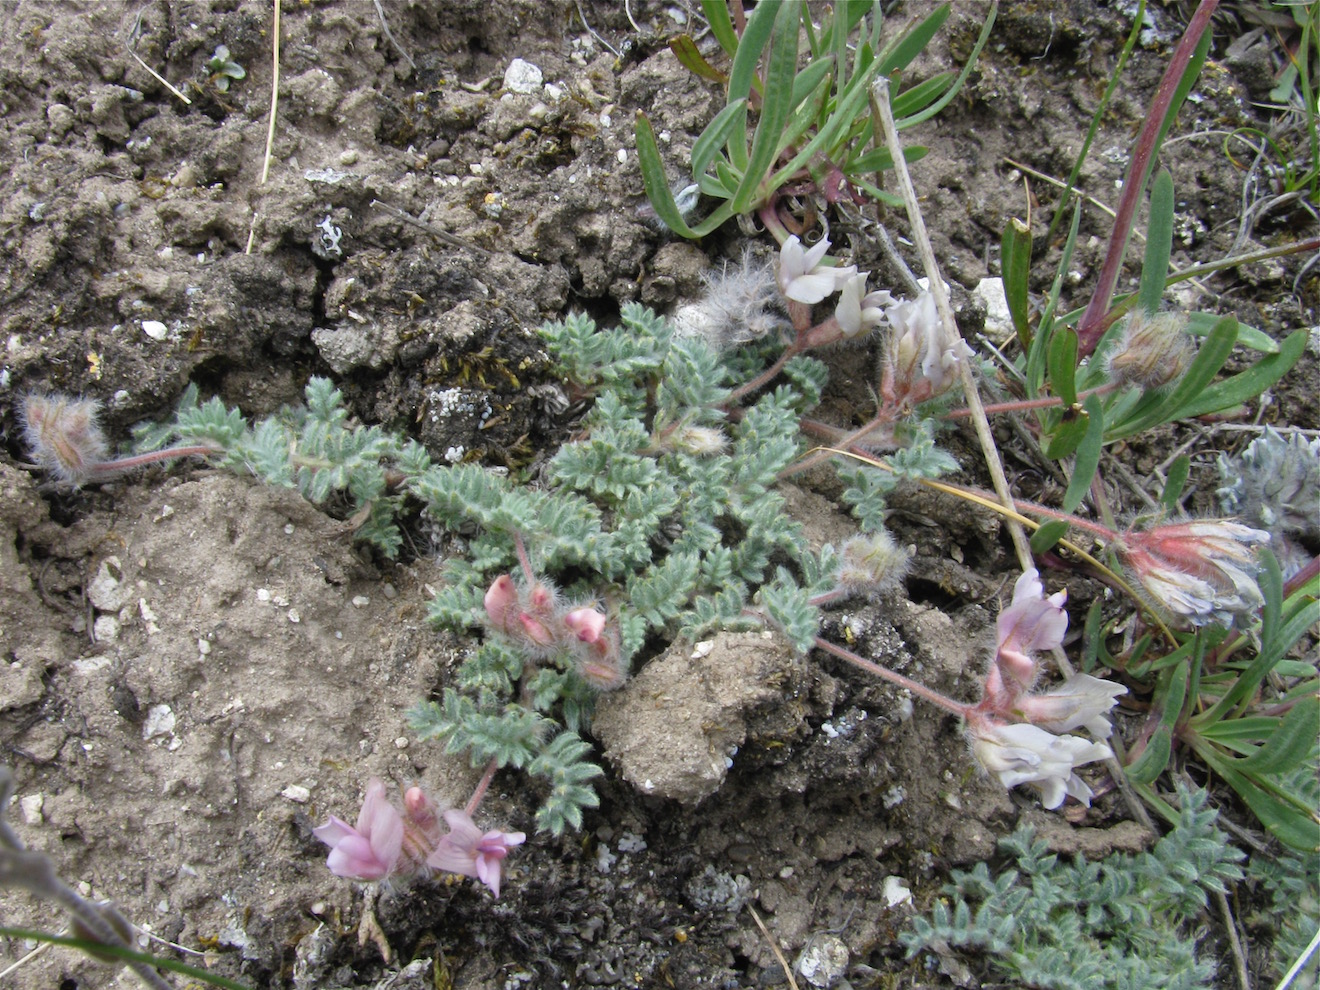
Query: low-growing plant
point(1127, 921)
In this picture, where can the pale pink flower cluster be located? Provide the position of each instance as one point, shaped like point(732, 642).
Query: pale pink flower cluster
point(919, 362)
point(1203, 571)
point(386, 843)
point(535, 619)
point(1020, 736)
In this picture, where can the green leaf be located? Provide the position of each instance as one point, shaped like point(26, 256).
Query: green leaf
point(1291, 743)
point(1159, 244)
point(1284, 820)
point(777, 104)
point(1068, 436)
point(1015, 267)
point(916, 98)
point(1088, 453)
point(727, 122)
point(1250, 383)
point(1175, 482)
point(900, 54)
point(657, 187)
point(1061, 361)
point(717, 16)
point(685, 50)
point(1049, 534)
point(881, 160)
point(742, 76)
point(1170, 695)
point(1160, 407)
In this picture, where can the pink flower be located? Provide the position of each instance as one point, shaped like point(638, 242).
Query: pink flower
point(1026, 754)
point(1202, 570)
point(586, 623)
point(467, 851)
point(1032, 622)
point(501, 599)
point(371, 850)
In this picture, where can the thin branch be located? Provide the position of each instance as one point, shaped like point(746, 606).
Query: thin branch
point(881, 109)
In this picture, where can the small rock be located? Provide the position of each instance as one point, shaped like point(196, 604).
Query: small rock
point(31, 805)
point(159, 721)
point(106, 591)
point(522, 77)
point(296, 793)
point(155, 329)
point(105, 629)
point(824, 961)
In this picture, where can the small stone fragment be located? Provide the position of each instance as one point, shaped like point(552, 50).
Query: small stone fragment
point(824, 961)
point(522, 77)
point(159, 722)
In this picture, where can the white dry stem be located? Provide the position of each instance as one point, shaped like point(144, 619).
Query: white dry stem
point(880, 107)
point(270, 129)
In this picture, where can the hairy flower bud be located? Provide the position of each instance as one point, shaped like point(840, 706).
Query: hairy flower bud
point(63, 436)
point(871, 562)
point(1203, 571)
point(1155, 349)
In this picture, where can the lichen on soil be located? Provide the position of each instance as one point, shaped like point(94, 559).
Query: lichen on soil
point(197, 670)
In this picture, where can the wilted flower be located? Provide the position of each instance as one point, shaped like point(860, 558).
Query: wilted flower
point(63, 436)
point(919, 363)
point(1154, 350)
point(1026, 754)
point(1201, 570)
point(1080, 701)
point(468, 851)
point(1032, 622)
point(870, 562)
point(857, 310)
point(740, 303)
point(803, 278)
point(371, 850)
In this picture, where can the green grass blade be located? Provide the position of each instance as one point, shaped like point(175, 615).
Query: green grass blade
point(653, 178)
point(1250, 383)
point(742, 75)
point(1290, 743)
point(717, 16)
point(717, 133)
point(900, 54)
point(1015, 267)
point(777, 105)
point(1175, 482)
point(1088, 455)
point(1159, 244)
point(930, 111)
point(1047, 535)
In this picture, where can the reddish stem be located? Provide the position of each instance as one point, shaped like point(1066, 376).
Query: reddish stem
point(106, 468)
point(934, 697)
point(1092, 325)
point(482, 785)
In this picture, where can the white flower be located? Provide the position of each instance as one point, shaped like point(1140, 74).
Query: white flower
point(1082, 700)
point(1026, 754)
point(917, 338)
point(858, 311)
point(803, 278)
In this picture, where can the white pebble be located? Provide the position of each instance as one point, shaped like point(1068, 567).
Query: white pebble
point(296, 793)
point(155, 329)
point(522, 77)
